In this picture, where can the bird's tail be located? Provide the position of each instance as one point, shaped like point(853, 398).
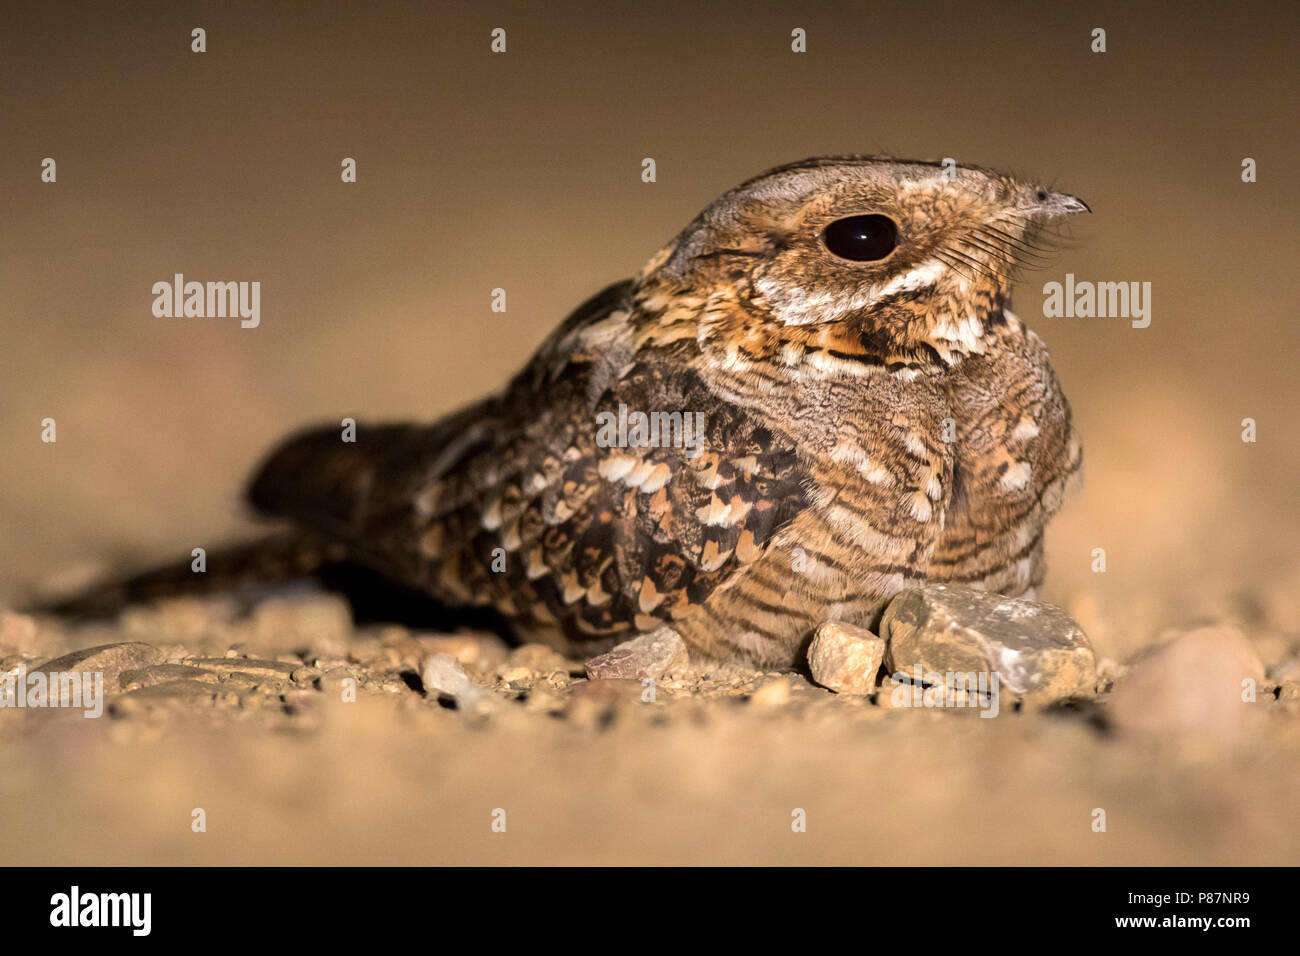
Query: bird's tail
point(243, 570)
point(354, 492)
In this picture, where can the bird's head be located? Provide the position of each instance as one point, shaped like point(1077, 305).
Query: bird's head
point(905, 252)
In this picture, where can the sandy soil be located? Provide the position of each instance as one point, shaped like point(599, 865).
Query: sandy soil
point(250, 725)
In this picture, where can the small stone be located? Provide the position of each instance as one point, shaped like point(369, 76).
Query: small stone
point(442, 674)
point(845, 658)
point(244, 665)
point(772, 694)
point(1037, 651)
point(479, 652)
point(650, 655)
point(1109, 670)
point(517, 675)
point(1190, 684)
point(108, 659)
point(304, 675)
point(538, 658)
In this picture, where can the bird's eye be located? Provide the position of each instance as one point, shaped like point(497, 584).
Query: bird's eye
point(861, 238)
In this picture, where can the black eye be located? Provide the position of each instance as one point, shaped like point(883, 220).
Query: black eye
point(861, 238)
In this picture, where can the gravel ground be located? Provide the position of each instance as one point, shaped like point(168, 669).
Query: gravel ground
point(307, 740)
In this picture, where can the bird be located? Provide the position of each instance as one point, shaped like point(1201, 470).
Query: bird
point(816, 396)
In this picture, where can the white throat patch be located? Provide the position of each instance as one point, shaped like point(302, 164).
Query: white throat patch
point(803, 307)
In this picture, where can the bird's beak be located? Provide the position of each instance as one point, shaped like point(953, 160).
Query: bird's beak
point(1057, 204)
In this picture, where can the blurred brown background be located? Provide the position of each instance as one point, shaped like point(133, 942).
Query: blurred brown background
point(522, 171)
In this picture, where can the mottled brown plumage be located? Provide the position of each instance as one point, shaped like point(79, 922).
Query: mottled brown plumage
point(868, 426)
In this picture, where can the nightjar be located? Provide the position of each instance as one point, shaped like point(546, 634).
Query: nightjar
point(814, 397)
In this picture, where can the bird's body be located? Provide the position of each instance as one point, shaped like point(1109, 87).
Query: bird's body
point(813, 398)
point(868, 423)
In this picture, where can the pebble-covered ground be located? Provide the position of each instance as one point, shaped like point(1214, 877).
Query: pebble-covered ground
point(287, 735)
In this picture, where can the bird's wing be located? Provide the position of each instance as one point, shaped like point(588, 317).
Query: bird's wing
point(539, 503)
